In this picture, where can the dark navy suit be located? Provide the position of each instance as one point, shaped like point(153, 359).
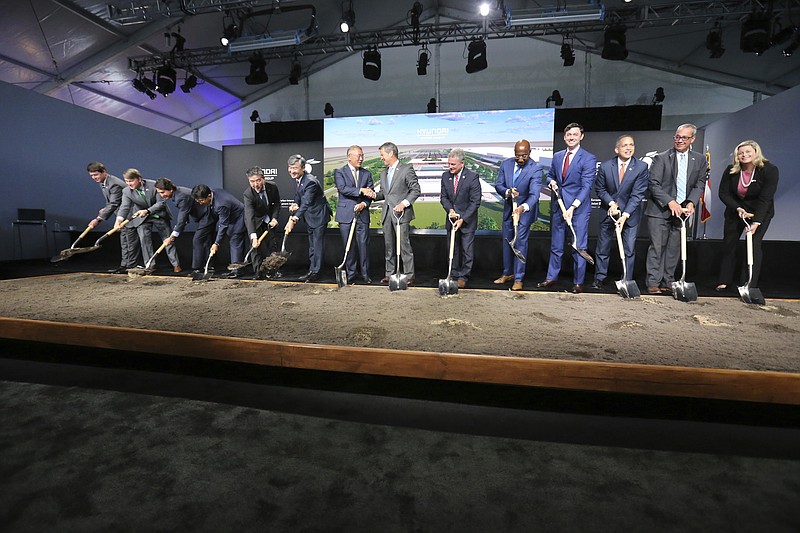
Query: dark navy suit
point(259, 210)
point(464, 201)
point(316, 212)
point(349, 196)
point(188, 209)
point(230, 215)
point(577, 184)
point(529, 184)
point(628, 195)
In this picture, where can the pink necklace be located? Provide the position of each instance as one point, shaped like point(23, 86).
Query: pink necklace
point(750, 176)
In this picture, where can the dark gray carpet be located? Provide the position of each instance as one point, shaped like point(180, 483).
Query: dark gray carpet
point(77, 459)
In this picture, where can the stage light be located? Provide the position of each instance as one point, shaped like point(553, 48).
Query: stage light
point(659, 96)
point(348, 20)
point(614, 45)
point(254, 116)
point(180, 42)
point(165, 80)
point(567, 53)
point(258, 72)
point(476, 56)
point(789, 50)
point(555, 99)
point(372, 65)
point(782, 36)
point(714, 43)
point(189, 84)
point(328, 109)
point(295, 73)
point(140, 85)
point(423, 60)
point(415, 13)
point(484, 9)
point(755, 36)
point(228, 34)
point(432, 105)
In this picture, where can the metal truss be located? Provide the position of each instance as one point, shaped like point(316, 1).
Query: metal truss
point(691, 12)
point(138, 11)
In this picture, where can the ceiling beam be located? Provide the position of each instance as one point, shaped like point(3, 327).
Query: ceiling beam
point(85, 87)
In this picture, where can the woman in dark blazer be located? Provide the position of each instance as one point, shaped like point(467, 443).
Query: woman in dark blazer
point(747, 188)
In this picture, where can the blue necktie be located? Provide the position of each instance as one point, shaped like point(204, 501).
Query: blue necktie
point(516, 175)
point(389, 175)
point(681, 178)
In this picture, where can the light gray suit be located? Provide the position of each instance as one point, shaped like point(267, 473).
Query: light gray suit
point(404, 187)
point(664, 250)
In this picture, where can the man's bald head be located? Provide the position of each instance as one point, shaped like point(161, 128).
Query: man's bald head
point(522, 151)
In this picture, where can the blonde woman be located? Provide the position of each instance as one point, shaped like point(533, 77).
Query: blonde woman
point(747, 189)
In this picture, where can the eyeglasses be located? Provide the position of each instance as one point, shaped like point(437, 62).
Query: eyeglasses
point(521, 156)
point(683, 137)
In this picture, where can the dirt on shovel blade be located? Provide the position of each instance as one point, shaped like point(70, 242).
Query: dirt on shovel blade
point(275, 261)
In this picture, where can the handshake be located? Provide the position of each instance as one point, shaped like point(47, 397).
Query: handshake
point(369, 193)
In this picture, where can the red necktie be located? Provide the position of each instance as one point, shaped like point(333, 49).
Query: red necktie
point(565, 168)
point(455, 184)
point(621, 171)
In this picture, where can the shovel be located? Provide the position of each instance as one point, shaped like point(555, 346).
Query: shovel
point(398, 281)
point(512, 242)
point(448, 286)
point(683, 290)
point(96, 245)
point(277, 259)
point(583, 253)
point(139, 271)
point(72, 250)
point(750, 295)
point(205, 275)
point(245, 262)
point(339, 271)
point(625, 287)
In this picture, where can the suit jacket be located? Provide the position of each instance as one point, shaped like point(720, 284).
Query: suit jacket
point(350, 195)
point(404, 187)
point(759, 198)
point(662, 185)
point(255, 210)
point(188, 209)
point(230, 213)
point(465, 201)
point(314, 208)
point(132, 201)
point(112, 191)
point(577, 184)
point(529, 185)
point(628, 194)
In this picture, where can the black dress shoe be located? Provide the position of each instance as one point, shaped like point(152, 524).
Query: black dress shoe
point(366, 279)
point(233, 274)
point(311, 276)
point(597, 285)
point(546, 283)
point(118, 270)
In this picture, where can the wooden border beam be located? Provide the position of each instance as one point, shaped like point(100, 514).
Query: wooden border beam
point(721, 384)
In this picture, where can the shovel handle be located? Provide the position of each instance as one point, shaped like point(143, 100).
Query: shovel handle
point(683, 242)
point(263, 235)
point(749, 239)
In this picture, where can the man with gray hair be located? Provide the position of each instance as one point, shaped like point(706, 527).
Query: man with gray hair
point(399, 188)
point(461, 197)
point(309, 204)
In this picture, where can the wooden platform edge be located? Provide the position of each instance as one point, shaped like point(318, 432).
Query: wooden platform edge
point(721, 384)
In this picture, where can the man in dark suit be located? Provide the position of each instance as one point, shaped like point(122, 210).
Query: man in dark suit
point(519, 181)
point(461, 197)
point(311, 205)
point(262, 202)
point(621, 184)
point(677, 179)
point(354, 185)
point(572, 174)
point(180, 199)
point(140, 199)
point(230, 221)
point(111, 187)
point(399, 189)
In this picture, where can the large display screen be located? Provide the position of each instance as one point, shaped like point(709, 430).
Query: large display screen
point(424, 140)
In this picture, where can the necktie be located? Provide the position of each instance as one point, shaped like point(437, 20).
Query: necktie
point(263, 197)
point(621, 171)
point(681, 178)
point(141, 193)
point(389, 174)
point(516, 175)
point(566, 167)
point(455, 184)
point(355, 176)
